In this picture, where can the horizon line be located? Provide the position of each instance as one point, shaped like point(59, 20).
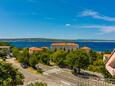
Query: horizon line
point(56, 38)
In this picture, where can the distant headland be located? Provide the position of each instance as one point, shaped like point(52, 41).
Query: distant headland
point(52, 40)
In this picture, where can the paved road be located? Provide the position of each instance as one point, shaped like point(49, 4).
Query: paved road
point(30, 77)
point(65, 77)
point(54, 76)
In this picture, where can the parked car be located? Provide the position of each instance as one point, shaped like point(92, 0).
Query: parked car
point(24, 65)
point(37, 67)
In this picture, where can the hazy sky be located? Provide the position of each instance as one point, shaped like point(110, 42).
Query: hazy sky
point(65, 19)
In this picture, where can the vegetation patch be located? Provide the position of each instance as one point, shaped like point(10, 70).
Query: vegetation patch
point(37, 84)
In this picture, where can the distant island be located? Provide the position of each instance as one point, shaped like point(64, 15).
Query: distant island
point(53, 40)
point(94, 40)
point(37, 40)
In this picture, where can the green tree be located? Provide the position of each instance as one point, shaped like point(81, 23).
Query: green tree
point(25, 55)
point(77, 59)
point(58, 57)
point(4, 44)
point(33, 60)
point(15, 51)
point(38, 55)
point(9, 76)
point(26, 52)
point(105, 73)
point(3, 53)
point(96, 66)
point(45, 58)
point(94, 56)
point(70, 60)
point(99, 66)
point(20, 57)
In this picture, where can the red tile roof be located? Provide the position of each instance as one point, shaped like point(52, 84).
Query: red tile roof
point(107, 55)
point(64, 44)
point(110, 55)
point(86, 48)
point(35, 49)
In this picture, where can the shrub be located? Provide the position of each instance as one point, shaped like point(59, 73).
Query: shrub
point(37, 84)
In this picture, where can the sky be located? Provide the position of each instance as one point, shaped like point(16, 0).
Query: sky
point(61, 19)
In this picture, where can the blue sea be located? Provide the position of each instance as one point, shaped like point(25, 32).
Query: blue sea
point(96, 46)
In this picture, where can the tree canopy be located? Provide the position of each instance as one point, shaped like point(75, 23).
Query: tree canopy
point(4, 44)
point(77, 59)
point(9, 76)
point(58, 57)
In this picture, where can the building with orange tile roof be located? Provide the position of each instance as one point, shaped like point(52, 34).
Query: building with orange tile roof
point(35, 49)
point(86, 49)
point(44, 47)
point(66, 46)
point(106, 57)
point(110, 64)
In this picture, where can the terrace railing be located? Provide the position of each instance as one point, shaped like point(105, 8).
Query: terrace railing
point(86, 81)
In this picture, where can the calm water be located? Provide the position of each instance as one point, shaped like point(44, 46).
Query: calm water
point(97, 46)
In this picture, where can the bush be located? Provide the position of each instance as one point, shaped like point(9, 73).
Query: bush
point(96, 66)
point(37, 84)
point(40, 71)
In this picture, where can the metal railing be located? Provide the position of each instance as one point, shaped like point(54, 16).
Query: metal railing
point(87, 81)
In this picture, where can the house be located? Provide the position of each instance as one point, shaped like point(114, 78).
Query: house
point(86, 49)
point(65, 46)
point(44, 47)
point(35, 49)
point(106, 57)
point(110, 64)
